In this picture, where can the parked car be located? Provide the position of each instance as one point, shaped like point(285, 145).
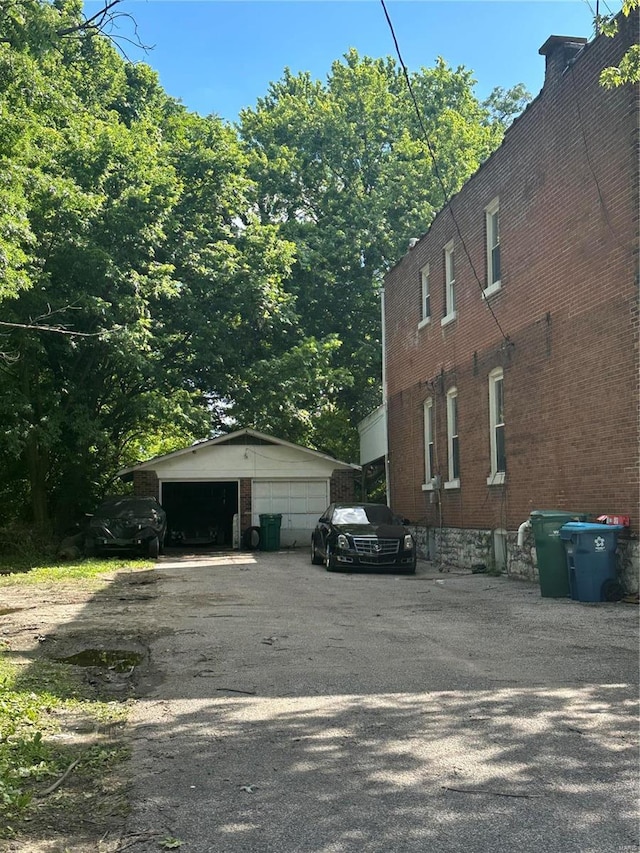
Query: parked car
point(127, 523)
point(365, 535)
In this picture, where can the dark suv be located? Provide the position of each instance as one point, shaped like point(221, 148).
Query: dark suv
point(126, 523)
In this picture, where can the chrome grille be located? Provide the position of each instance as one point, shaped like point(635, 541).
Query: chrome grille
point(374, 547)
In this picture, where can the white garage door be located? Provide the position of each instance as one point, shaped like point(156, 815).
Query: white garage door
point(300, 502)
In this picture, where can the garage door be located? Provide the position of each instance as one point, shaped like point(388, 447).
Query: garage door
point(300, 502)
point(201, 512)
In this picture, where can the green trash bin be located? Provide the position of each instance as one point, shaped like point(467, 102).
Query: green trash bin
point(270, 532)
point(550, 550)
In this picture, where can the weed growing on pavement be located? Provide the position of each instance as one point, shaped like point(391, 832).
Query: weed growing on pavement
point(33, 751)
point(58, 739)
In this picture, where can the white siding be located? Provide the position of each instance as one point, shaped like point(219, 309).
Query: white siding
point(231, 462)
point(373, 436)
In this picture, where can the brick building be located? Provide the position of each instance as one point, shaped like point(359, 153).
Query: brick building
point(511, 328)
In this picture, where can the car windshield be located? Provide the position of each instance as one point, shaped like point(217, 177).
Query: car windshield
point(378, 514)
point(126, 507)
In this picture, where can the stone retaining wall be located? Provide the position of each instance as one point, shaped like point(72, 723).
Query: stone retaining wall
point(464, 548)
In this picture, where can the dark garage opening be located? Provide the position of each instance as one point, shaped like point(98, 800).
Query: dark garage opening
point(200, 513)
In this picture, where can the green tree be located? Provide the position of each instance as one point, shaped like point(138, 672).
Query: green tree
point(137, 278)
point(628, 71)
point(345, 171)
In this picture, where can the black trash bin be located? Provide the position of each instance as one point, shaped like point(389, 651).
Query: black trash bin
point(591, 560)
point(550, 554)
point(270, 532)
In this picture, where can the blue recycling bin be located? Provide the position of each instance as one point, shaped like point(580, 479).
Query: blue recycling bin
point(591, 559)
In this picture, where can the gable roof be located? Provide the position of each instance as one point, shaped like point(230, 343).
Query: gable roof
point(235, 438)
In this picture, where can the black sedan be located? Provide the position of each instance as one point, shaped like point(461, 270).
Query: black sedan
point(127, 523)
point(350, 536)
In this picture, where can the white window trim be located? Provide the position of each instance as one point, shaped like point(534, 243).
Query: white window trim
point(489, 211)
point(495, 478)
point(424, 319)
point(452, 482)
point(449, 286)
point(427, 406)
point(489, 291)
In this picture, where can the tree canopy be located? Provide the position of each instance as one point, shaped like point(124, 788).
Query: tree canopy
point(165, 276)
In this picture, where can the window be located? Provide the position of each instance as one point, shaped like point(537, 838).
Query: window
point(496, 427)
point(452, 440)
point(429, 434)
point(425, 312)
point(449, 285)
point(492, 219)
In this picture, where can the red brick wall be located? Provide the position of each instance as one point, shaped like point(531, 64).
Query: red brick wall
point(342, 487)
point(245, 503)
point(567, 180)
point(145, 484)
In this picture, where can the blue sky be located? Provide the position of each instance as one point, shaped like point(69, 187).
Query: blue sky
point(218, 56)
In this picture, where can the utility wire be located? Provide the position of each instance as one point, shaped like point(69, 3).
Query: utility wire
point(437, 171)
point(603, 204)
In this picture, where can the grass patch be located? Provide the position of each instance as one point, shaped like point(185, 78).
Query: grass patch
point(53, 719)
point(35, 706)
point(13, 573)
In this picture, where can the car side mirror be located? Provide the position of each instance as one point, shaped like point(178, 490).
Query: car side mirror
point(405, 521)
point(323, 519)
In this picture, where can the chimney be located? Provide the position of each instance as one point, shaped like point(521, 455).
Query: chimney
point(559, 52)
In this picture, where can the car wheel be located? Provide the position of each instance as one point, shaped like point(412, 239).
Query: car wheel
point(251, 538)
point(329, 560)
point(316, 559)
point(153, 548)
point(90, 549)
point(411, 570)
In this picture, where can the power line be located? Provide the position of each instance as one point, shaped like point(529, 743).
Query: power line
point(437, 171)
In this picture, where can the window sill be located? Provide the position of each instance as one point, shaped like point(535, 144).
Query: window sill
point(452, 484)
point(493, 288)
point(449, 318)
point(427, 487)
point(496, 479)
point(425, 322)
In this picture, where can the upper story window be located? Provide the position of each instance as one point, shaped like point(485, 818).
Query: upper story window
point(492, 223)
point(496, 427)
point(449, 284)
point(425, 291)
point(452, 440)
point(429, 444)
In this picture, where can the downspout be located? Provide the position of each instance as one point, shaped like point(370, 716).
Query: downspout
point(526, 525)
point(384, 396)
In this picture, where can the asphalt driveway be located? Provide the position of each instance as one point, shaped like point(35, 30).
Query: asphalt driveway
point(296, 711)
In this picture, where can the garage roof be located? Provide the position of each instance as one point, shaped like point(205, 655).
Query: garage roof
point(243, 436)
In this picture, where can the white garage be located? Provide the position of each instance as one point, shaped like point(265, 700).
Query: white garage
point(215, 491)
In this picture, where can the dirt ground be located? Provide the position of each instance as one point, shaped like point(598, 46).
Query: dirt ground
point(55, 621)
